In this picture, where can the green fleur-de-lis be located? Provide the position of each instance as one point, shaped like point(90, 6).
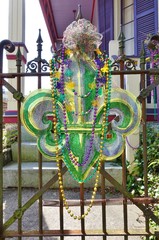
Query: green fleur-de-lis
point(38, 105)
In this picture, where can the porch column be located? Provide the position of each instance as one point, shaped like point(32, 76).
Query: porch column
point(132, 142)
point(16, 34)
point(117, 18)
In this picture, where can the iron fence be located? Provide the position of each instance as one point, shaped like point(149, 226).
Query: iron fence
point(122, 66)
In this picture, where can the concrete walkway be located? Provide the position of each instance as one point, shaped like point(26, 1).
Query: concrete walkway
point(51, 214)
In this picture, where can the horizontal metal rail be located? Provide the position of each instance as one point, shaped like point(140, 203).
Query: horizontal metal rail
point(46, 74)
point(47, 233)
point(97, 202)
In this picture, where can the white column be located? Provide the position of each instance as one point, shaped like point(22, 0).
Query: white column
point(113, 54)
point(133, 86)
point(16, 34)
point(117, 18)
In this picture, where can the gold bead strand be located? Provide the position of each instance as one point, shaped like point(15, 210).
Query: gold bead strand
point(99, 164)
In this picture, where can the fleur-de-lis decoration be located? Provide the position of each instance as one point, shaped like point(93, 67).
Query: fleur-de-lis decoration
point(80, 101)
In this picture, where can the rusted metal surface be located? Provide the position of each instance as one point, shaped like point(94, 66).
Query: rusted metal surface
point(82, 210)
point(19, 65)
point(47, 74)
point(49, 233)
point(103, 195)
point(61, 208)
point(8, 46)
point(103, 201)
point(142, 66)
point(123, 158)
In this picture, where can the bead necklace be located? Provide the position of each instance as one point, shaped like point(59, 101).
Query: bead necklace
point(133, 147)
point(87, 155)
point(103, 133)
point(83, 113)
point(81, 96)
point(69, 74)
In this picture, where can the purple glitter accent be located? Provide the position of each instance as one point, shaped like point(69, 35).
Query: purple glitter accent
point(102, 80)
point(67, 62)
point(58, 85)
point(99, 63)
point(88, 153)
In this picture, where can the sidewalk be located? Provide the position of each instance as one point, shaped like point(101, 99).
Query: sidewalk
point(51, 214)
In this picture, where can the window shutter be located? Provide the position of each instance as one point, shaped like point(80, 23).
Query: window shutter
point(106, 25)
point(145, 20)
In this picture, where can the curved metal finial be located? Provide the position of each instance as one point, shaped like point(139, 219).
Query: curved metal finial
point(33, 65)
point(18, 57)
point(39, 42)
point(39, 39)
point(121, 40)
point(8, 46)
point(79, 13)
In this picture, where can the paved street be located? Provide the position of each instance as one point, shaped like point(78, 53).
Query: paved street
point(51, 214)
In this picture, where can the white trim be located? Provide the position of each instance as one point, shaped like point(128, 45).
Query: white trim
point(117, 18)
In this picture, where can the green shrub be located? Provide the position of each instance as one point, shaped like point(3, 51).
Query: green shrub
point(9, 137)
point(135, 177)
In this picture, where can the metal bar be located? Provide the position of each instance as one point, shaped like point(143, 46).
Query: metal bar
point(7, 45)
point(125, 210)
point(95, 232)
point(103, 203)
point(124, 178)
point(142, 66)
point(18, 64)
point(39, 50)
point(32, 200)
point(40, 198)
point(16, 94)
point(82, 210)
point(61, 206)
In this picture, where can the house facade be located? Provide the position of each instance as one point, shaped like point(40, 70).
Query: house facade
point(135, 18)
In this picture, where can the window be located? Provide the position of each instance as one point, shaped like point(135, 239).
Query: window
point(106, 25)
point(145, 21)
point(139, 18)
point(128, 25)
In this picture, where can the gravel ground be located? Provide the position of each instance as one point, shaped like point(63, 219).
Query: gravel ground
point(51, 214)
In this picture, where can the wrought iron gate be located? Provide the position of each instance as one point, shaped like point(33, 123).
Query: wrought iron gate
point(142, 203)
